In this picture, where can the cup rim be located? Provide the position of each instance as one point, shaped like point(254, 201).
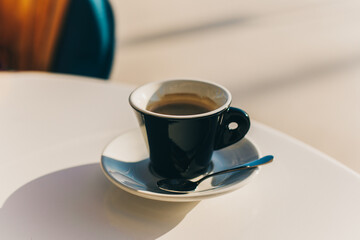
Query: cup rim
point(221, 108)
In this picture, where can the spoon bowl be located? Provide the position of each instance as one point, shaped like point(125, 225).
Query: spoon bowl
point(182, 185)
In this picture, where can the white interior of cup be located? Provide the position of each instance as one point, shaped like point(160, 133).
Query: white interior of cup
point(153, 92)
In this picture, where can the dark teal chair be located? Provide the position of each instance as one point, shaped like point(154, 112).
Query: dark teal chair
point(87, 40)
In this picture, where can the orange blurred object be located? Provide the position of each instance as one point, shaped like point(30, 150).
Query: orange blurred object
point(29, 31)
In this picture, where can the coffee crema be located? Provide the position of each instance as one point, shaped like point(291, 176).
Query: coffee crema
point(182, 104)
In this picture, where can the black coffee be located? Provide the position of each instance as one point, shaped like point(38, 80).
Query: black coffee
point(182, 104)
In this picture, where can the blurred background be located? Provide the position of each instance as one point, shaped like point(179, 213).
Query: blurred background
point(292, 65)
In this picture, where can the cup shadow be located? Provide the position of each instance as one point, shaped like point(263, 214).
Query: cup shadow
point(81, 203)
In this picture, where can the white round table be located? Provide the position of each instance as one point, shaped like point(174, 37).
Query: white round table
point(54, 128)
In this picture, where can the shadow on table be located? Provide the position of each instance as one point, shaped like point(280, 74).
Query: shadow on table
point(80, 203)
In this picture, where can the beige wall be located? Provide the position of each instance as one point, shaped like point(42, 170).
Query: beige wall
point(293, 65)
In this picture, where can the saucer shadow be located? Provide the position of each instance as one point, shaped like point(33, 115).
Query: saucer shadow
point(80, 203)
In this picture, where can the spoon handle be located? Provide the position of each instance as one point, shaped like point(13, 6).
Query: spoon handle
point(252, 164)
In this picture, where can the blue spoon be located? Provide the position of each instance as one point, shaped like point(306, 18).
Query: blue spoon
point(182, 185)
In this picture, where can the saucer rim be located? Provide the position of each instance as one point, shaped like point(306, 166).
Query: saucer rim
point(187, 197)
point(171, 197)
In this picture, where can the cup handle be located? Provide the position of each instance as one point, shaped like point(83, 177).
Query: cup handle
point(235, 123)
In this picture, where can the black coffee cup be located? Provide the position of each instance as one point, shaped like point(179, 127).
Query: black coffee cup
point(183, 122)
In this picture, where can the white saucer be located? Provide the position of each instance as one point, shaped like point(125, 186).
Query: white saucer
point(125, 162)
